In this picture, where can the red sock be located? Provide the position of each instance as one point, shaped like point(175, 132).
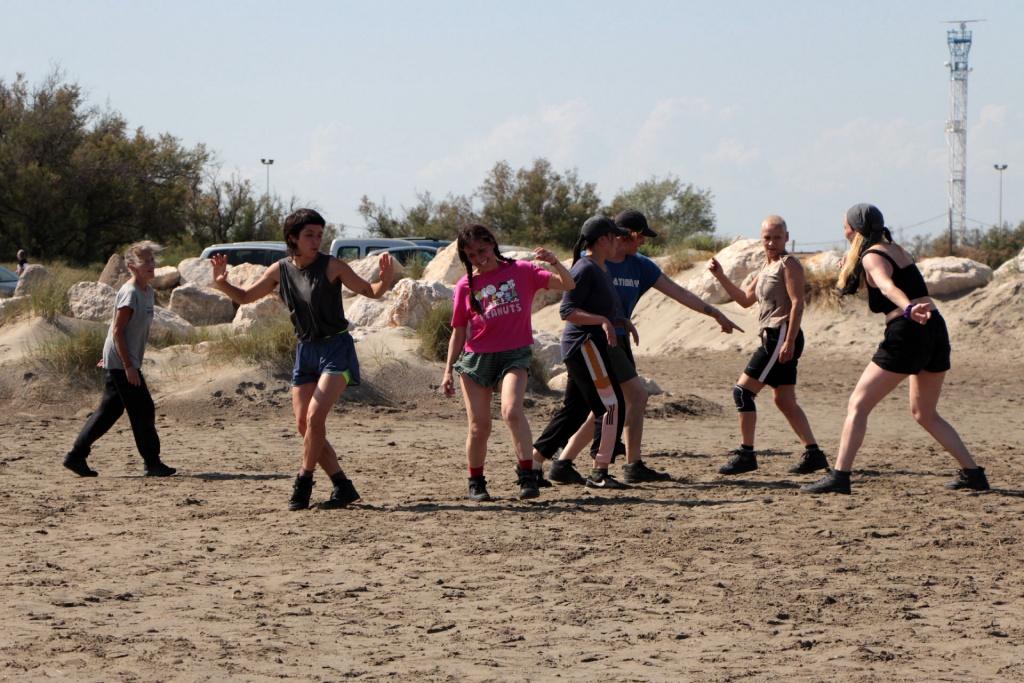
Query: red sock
point(476, 472)
point(526, 465)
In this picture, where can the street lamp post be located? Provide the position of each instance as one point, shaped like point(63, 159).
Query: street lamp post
point(268, 163)
point(1000, 168)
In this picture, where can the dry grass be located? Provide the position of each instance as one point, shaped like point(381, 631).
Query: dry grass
point(72, 357)
point(820, 288)
point(435, 331)
point(271, 345)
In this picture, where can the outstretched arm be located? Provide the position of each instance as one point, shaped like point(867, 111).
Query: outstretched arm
point(687, 298)
point(744, 297)
point(349, 278)
point(265, 285)
point(880, 272)
point(562, 281)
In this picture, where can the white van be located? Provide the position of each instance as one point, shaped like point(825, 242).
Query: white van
point(353, 249)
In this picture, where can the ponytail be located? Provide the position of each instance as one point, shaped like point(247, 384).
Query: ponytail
point(853, 269)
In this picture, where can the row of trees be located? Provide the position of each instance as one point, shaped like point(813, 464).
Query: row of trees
point(76, 182)
point(537, 204)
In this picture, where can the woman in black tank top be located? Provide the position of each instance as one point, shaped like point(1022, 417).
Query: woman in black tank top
point(916, 344)
point(310, 282)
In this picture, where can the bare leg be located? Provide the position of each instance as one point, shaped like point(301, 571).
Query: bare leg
point(583, 437)
point(311, 404)
point(478, 414)
point(513, 389)
point(636, 403)
point(925, 389)
point(748, 420)
point(874, 384)
point(785, 401)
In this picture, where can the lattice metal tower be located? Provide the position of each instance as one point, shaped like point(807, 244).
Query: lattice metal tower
point(959, 40)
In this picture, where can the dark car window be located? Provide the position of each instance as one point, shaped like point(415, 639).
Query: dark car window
point(348, 253)
point(7, 276)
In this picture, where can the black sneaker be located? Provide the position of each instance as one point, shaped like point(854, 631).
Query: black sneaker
point(79, 466)
point(342, 494)
point(478, 489)
point(636, 472)
point(542, 483)
point(811, 461)
point(969, 479)
point(600, 479)
point(527, 483)
point(564, 472)
point(159, 469)
point(833, 482)
point(741, 461)
point(301, 491)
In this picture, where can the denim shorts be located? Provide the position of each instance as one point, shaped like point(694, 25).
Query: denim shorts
point(331, 356)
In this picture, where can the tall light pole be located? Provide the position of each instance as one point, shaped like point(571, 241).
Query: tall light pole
point(268, 163)
point(1000, 168)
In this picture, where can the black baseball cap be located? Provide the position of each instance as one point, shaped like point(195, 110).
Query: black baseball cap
point(598, 226)
point(634, 221)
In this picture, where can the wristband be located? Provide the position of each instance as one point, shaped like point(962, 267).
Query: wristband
point(907, 310)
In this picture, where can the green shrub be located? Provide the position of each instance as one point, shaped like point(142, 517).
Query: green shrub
point(179, 249)
point(73, 356)
point(435, 331)
point(50, 298)
point(271, 345)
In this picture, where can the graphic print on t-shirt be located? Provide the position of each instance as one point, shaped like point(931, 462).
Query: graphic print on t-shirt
point(500, 299)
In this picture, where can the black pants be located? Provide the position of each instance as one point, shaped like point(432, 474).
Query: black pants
point(581, 398)
point(118, 396)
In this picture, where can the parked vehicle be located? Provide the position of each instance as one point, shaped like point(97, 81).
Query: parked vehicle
point(409, 255)
point(354, 249)
point(426, 242)
point(260, 253)
point(8, 282)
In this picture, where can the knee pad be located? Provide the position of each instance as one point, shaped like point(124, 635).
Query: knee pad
point(744, 399)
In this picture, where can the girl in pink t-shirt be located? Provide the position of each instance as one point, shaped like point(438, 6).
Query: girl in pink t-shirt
point(491, 344)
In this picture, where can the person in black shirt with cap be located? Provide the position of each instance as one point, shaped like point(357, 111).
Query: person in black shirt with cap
point(916, 344)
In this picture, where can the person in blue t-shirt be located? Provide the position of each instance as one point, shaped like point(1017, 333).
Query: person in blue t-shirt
point(632, 275)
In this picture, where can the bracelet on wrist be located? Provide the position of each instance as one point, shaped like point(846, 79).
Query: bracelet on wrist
point(907, 311)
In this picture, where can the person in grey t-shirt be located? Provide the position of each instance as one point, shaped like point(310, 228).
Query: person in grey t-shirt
point(124, 387)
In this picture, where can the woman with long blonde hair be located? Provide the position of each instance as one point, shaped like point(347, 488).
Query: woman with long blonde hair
point(916, 345)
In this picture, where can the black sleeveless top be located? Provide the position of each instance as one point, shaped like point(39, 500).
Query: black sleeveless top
point(314, 302)
point(908, 279)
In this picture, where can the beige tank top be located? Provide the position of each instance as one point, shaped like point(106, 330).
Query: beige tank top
point(771, 293)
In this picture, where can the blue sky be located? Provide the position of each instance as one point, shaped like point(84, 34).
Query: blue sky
point(798, 108)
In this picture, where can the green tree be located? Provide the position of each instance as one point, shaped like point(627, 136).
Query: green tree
point(673, 209)
point(427, 218)
point(536, 204)
point(76, 183)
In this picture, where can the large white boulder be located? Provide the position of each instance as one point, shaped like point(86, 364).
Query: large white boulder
point(368, 268)
point(559, 382)
point(168, 322)
point(165, 277)
point(548, 350)
point(411, 300)
point(265, 310)
point(197, 271)
point(1013, 267)
point(33, 277)
point(951, 275)
point(92, 301)
point(115, 273)
point(201, 305)
point(739, 261)
point(243, 275)
point(823, 262)
point(445, 266)
point(404, 306)
point(11, 305)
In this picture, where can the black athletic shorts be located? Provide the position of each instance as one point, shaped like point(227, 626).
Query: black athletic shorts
point(910, 347)
point(764, 365)
point(620, 360)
